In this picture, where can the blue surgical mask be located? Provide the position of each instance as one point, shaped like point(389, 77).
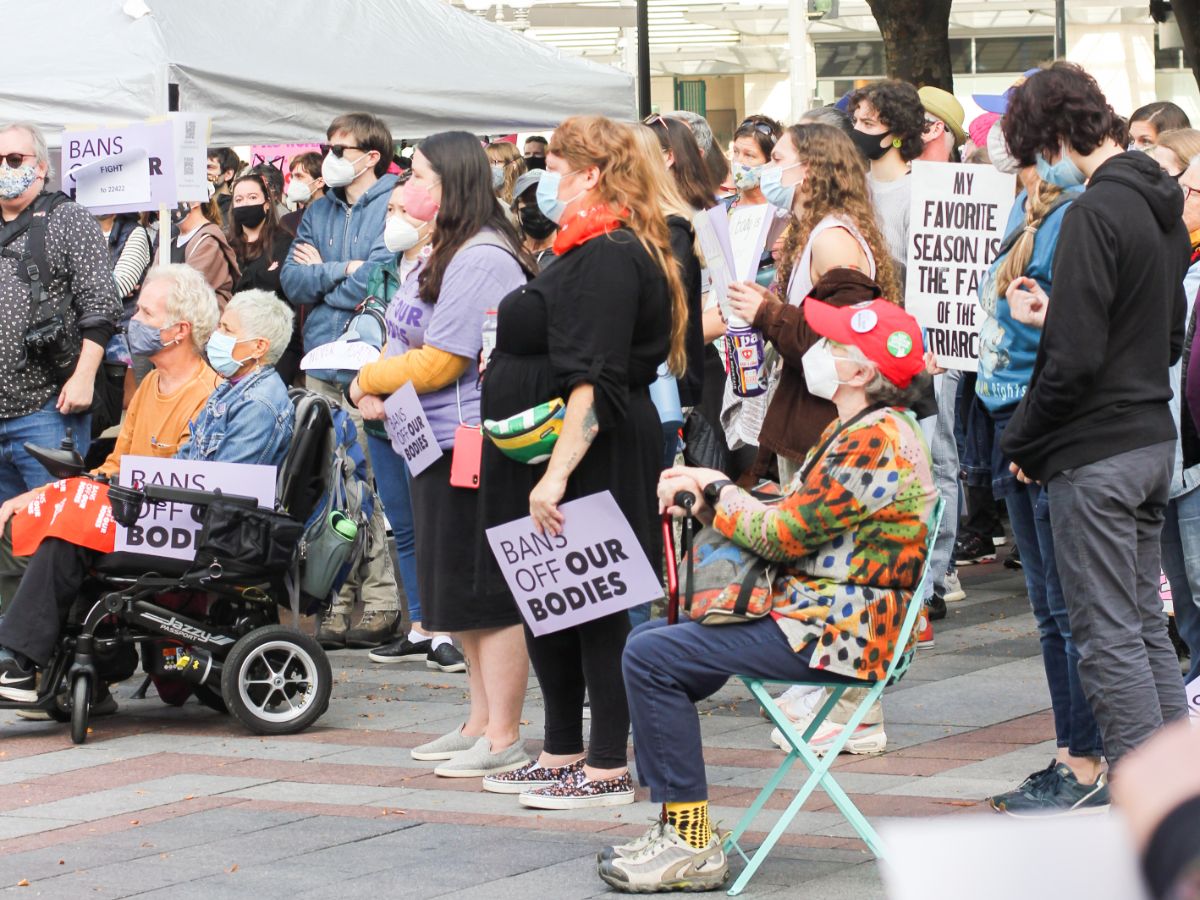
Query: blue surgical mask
point(145, 340)
point(497, 176)
point(220, 354)
point(773, 189)
point(547, 197)
point(1063, 174)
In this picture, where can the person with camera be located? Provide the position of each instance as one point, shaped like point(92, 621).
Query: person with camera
point(58, 309)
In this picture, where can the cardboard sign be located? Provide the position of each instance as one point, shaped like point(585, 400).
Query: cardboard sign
point(190, 132)
point(712, 231)
point(350, 355)
point(156, 139)
point(1193, 697)
point(408, 427)
point(123, 179)
point(74, 509)
point(171, 529)
point(594, 568)
point(280, 156)
point(958, 214)
point(748, 230)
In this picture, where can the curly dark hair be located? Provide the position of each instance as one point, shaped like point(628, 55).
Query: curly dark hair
point(900, 109)
point(1060, 103)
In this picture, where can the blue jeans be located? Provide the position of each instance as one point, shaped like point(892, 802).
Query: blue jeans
point(939, 432)
point(668, 669)
point(1181, 563)
point(1074, 725)
point(20, 472)
point(391, 483)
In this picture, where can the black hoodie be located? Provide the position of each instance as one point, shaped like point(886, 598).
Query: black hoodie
point(1114, 325)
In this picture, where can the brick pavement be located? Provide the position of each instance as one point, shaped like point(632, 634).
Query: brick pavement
point(161, 798)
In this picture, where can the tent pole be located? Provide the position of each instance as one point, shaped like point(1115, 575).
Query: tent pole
point(643, 57)
point(164, 215)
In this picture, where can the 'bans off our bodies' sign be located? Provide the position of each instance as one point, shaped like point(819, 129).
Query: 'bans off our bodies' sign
point(594, 568)
point(958, 215)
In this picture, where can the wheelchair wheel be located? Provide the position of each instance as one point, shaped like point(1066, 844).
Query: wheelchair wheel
point(81, 700)
point(276, 680)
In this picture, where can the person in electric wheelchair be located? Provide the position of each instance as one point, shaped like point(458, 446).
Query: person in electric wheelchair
point(248, 418)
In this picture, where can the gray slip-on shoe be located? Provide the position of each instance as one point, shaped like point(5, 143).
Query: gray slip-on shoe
point(445, 747)
point(481, 761)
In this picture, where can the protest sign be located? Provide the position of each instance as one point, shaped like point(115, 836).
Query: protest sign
point(74, 510)
point(155, 138)
point(748, 230)
point(120, 180)
point(1193, 697)
point(280, 156)
point(190, 133)
point(408, 427)
point(594, 568)
point(171, 529)
point(712, 231)
point(349, 355)
point(957, 220)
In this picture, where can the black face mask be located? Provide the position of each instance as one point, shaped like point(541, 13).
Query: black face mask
point(534, 223)
point(249, 216)
point(535, 162)
point(179, 213)
point(868, 144)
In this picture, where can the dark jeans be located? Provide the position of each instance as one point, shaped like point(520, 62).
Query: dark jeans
point(668, 669)
point(1108, 519)
point(1181, 563)
point(567, 662)
point(34, 619)
point(1074, 724)
point(20, 472)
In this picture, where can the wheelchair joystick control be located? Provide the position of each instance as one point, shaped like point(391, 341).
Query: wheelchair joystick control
point(68, 442)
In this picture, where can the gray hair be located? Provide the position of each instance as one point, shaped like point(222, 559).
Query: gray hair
point(190, 300)
point(827, 115)
point(880, 390)
point(40, 148)
point(264, 315)
point(701, 130)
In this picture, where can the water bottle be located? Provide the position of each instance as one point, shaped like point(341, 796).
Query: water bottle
point(664, 393)
point(745, 349)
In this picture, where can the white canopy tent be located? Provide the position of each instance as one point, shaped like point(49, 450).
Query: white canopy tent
point(279, 72)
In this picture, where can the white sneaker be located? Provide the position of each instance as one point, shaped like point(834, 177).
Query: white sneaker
point(668, 863)
point(953, 589)
point(800, 701)
point(865, 740)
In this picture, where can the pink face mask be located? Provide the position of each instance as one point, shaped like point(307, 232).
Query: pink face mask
point(417, 202)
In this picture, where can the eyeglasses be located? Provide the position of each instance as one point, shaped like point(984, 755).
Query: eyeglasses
point(1188, 191)
point(338, 149)
point(760, 127)
point(13, 160)
point(655, 119)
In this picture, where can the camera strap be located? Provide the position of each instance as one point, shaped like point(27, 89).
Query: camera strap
point(33, 265)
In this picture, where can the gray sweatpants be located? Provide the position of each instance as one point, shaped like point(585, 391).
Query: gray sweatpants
point(1107, 517)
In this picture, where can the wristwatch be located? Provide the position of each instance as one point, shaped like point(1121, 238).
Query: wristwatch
point(712, 491)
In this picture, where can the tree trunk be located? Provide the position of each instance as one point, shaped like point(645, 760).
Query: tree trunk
point(916, 40)
point(1187, 17)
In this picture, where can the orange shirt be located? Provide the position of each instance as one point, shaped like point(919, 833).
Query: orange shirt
point(157, 424)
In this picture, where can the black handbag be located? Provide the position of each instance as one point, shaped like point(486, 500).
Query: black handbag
point(703, 446)
point(248, 542)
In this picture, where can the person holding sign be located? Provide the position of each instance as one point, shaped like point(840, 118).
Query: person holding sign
point(849, 537)
point(435, 326)
point(593, 329)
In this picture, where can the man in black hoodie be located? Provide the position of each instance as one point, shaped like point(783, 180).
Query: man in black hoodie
point(1095, 425)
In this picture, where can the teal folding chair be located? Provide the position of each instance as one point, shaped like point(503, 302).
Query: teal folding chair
point(819, 767)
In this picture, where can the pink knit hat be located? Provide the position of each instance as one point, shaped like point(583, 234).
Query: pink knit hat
point(980, 126)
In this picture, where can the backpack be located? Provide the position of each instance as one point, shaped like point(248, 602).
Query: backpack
point(323, 483)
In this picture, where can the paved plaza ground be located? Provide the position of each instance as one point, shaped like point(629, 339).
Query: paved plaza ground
point(166, 802)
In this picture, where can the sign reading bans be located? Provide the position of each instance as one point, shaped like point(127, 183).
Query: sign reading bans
point(171, 529)
point(958, 214)
point(594, 568)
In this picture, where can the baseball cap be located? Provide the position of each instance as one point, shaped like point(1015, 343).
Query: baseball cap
point(527, 180)
point(885, 333)
point(998, 103)
point(944, 106)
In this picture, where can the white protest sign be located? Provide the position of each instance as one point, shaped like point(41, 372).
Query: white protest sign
point(350, 355)
point(748, 230)
point(594, 568)
point(957, 220)
point(712, 231)
point(155, 138)
point(171, 529)
point(190, 134)
point(121, 179)
point(1193, 697)
point(408, 427)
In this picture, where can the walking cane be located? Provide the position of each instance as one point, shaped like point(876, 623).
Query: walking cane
point(684, 499)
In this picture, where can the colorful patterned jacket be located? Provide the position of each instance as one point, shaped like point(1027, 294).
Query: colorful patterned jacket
point(851, 538)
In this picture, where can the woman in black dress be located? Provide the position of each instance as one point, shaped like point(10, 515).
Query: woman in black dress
point(591, 329)
point(261, 246)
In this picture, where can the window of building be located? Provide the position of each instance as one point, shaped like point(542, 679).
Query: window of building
point(1012, 54)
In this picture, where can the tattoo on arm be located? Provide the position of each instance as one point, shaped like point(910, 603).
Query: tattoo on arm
point(591, 427)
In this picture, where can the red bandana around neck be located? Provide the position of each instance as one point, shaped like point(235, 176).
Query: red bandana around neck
point(584, 226)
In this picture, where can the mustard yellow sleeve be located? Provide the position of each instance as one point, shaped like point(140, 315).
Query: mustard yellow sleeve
point(428, 368)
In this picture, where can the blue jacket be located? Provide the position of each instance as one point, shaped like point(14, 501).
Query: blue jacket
point(247, 422)
point(340, 233)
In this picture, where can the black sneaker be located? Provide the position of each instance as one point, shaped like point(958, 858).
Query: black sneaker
point(935, 605)
point(18, 678)
point(400, 651)
point(1054, 791)
point(1013, 560)
point(445, 658)
point(974, 548)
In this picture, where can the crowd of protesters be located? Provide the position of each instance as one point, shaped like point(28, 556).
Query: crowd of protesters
point(494, 278)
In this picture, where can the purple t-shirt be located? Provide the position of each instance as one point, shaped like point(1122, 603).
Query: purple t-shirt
point(476, 280)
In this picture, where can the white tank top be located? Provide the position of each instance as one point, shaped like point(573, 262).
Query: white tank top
point(801, 283)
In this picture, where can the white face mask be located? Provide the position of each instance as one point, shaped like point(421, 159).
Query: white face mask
point(998, 153)
point(298, 191)
point(820, 370)
point(399, 234)
point(339, 171)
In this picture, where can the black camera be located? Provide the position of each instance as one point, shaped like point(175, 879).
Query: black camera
point(48, 342)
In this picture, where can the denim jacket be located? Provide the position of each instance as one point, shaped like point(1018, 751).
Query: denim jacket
point(249, 421)
point(1183, 481)
point(340, 233)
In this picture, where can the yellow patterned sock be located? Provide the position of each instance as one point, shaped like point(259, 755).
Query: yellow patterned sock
point(690, 820)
